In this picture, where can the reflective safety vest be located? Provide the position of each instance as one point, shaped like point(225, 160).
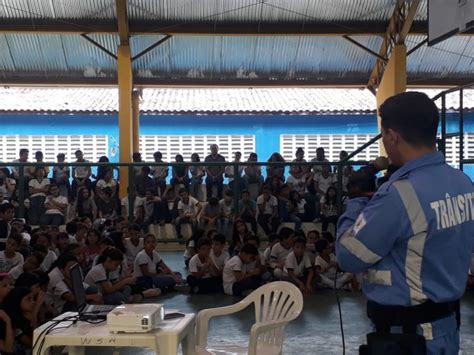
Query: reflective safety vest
point(413, 239)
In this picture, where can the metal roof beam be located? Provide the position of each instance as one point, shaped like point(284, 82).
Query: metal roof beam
point(357, 82)
point(205, 28)
point(122, 21)
point(398, 28)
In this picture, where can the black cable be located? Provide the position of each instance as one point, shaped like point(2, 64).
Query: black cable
point(340, 316)
point(42, 337)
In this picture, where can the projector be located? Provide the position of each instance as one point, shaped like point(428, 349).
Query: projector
point(135, 318)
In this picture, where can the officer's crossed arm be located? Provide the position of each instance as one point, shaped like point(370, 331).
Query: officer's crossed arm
point(368, 230)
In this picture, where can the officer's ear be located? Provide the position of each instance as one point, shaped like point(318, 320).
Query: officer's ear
point(391, 136)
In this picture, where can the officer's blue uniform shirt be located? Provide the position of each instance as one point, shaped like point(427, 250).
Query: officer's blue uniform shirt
point(413, 240)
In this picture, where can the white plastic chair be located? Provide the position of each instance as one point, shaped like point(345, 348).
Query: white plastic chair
point(276, 304)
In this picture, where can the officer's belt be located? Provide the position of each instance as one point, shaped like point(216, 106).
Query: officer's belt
point(384, 316)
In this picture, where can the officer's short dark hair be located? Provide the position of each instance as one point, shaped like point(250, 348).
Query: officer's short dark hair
point(413, 115)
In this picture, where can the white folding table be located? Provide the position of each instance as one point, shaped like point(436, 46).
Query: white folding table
point(164, 340)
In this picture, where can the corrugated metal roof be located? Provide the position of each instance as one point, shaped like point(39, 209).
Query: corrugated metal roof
point(204, 10)
point(203, 101)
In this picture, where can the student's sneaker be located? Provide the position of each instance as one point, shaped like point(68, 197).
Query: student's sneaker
point(152, 293)
point(137, 298)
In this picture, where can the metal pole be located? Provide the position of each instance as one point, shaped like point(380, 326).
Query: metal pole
point(236, 188)
point(21, 191)
point(461, 129)
point(340, 166)
point(442, 146)
point(131, 192)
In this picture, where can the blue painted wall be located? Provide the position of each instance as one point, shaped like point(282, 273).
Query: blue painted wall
point(266, 128)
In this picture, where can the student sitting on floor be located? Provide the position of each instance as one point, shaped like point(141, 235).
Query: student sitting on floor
point(203, 269)
point(298, 268)
point(151, 271)
point(191, 245)
point(31, 264)
point(272, 240)
point(326, 267)
point(133, 243)
point(311, 239)
point(260, 262)
point(50, 257)
point(60, 293)
point(104, 276)
point(280, 251)
point(236, 277)
point(10, 257)
point(218, 256)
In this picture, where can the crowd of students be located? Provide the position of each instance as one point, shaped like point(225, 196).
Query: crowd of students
point(172, 195)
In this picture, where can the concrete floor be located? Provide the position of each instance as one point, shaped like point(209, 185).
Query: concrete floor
point(316, 331)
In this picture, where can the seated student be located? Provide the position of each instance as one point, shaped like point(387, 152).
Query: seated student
point(280, 251)
point(218, 256)
point(191, 245)
point(210, 214)
point(133, 243)
point(329, 208)
point(50, 257)
point(188, 209)
point(7, 334)
point(259, 263)
point(22, 307)
point(62, 241)
point(9, 258)
point(7, 214)
point(81, 234)
point(239, 236)
point(326, 267)
point(203, 270)
point(78, 251)
point(104, 276)
point(55, 207)
point(92, 248)
point(150, 270)
point(38, 188)
point(6, 285)
point(312, 237)
point(268, 217)
point(107, 205)
point(59, 292)
point(32, 263)
point(272, 240)
point(298, 268)
point(226, 218)
point(248, 210)
point(236, 277)
point(85, 205)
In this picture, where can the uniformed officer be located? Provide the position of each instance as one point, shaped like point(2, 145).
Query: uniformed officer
point(413, 238)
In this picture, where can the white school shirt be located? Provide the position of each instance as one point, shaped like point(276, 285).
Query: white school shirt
point(299, 185)
point(59, 199)
point(291, 263)
point(81, 172)
point(268, 205)
point(3, 188)
point(159, 172)
point(234, 264)
point(97, 275)
point(331, 211)
point(49, 259)
point(144, 259)
point(195, 265)
point(219, 261)
point(190, 207)
point(57, 288)
point(322, 263)
point(39, 185)
point(102, 184)
point(6, 264)
point(278, 254)
point(15, 272)
point(226, 209)
point(132, 250)
point(324, 183)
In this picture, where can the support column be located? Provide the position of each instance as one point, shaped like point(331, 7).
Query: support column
point(125, 84)
point(136, 120)
point(394, 80)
